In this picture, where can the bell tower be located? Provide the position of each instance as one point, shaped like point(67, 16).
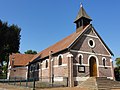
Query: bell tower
point(82, 19)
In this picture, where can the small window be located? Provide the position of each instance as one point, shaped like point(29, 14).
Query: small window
point(104, 62)
point(60, 60)
point(80, 59)
point(91, 43)
point(46, 64)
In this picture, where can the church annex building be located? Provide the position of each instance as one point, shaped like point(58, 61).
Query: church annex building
point(81, 55)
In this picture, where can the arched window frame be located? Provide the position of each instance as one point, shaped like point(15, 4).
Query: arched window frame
point(104, 61)
point(80, 55)
point(46, 63)
point(60, 59)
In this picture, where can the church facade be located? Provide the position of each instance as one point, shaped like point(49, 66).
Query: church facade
point(79, 56)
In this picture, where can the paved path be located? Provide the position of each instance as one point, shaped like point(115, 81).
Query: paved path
point(12, 87)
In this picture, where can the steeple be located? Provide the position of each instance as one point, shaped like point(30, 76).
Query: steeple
point(82, 19)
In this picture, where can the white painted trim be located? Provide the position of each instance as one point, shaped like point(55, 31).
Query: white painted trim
point(104, 66)
point(44, 68)
point(79, 64)
point(56, 66)
point(90, 53)
point(80, 78)
point(104, 58)
point(97, 62)
point(81, 58)
point(60, 65)
point(92, 41)
point(91, 36)
point(26, 75)
point(47, 60)
point(111, 60)
point(9, 67)
point(110, 78)
point(8, 74)
point(58, 78)
point(59, 56)
point(79, 35)
point(52, 59)
point(69, 55)
point(27, 67)
point(102, 43)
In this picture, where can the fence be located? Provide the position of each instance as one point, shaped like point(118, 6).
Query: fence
point(44, 82)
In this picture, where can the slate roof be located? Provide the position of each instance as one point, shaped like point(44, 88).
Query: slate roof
point(82, 13)
point(20, 59)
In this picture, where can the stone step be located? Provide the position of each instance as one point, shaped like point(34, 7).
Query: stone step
point(102, 83)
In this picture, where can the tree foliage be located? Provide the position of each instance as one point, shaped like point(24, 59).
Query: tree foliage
point(9, 40)
point(30, 52)
point(117, 69)
point(118, 62)
point(117, 73)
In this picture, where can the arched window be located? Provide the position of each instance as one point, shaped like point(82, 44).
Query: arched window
point(46, 64)
point(104, 61)
point(80, 59)
point(60, 60)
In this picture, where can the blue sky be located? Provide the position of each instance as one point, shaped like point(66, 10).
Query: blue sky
point(44, 22)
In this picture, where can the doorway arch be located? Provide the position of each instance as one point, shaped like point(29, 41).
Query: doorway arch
point(93, 66)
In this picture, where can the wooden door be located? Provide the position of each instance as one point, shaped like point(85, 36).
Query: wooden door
point(93, 67)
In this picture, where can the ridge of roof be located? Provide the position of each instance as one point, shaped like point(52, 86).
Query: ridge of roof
point(60, 45)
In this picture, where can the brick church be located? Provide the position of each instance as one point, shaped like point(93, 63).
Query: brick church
point(81, 55)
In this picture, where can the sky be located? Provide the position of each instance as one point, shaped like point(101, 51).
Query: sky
point(44, 22)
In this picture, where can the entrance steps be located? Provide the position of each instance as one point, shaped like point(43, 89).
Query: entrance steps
point(100, 83)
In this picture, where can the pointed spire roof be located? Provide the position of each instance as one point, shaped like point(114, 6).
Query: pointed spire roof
point(82, 13)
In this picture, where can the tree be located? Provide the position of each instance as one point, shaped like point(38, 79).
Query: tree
point(118, 62)
point(30, 52)
point(9, 40)
point(117, 69)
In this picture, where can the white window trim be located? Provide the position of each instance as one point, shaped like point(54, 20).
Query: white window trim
point(102, 42)
point(81, 58)
point(91, 36)
point(80, 78)
point(59, 56)
point(58, 59)
point(92, 41)
point(63, 65)
point(47, 60)
point(97, 62)
point(84, 52)
point(104, 58)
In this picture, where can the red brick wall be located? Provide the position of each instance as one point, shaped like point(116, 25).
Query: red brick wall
point(18, 72)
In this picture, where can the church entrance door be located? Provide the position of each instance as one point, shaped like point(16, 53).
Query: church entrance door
point(93, 67)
